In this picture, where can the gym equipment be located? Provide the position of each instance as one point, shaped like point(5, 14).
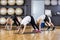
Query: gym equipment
point(19, 2)
point(11, 11)
point(3, 11)
point(18, 11)
point(3, 2)
point(11, 2)
point(2, 20)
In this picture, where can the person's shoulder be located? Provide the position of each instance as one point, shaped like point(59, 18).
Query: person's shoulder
point(28, 16)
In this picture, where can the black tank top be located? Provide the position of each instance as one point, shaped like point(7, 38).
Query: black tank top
point(46, 19)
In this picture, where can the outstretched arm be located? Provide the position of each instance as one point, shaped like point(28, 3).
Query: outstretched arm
point(24, 29)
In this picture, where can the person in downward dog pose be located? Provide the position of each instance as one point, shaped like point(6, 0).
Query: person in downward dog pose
point(26, 20)
point(9, 23)
point(47, 20)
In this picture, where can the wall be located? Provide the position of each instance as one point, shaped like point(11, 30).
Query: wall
point(37, 8)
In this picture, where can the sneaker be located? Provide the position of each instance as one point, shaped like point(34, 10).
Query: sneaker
point(35, 30)
point(48, 28)
point(53, 28)
point(39, 31)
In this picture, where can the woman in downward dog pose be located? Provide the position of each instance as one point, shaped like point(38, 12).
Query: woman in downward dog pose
point(47, 20)
point(27, 20)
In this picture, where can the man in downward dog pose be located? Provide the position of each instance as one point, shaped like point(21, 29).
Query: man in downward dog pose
point(25, 21)
point(46, 20)
point(9, 23)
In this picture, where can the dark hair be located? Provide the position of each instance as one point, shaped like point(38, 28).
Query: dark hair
point(46, 18)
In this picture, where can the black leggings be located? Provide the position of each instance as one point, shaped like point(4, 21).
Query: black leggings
point(33, 23)
point(16, 22)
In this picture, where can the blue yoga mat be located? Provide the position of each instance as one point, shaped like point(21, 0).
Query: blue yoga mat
point(42, 25)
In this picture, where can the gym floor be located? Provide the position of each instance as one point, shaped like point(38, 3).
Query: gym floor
point(29, 35)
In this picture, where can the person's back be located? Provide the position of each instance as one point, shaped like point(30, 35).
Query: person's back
point(26, 20)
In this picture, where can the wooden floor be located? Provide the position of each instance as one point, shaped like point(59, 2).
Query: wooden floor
point(44, 35)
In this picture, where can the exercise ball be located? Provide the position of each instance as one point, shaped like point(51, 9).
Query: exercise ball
point(19, 19)
point(19, 2)
point(11, 2)
point(3, 11)
point(2, 20)
point(10, 11)
point(3, 2)
point(54, 2)
point(47, 2)
point(58, 2)
point(18, 11)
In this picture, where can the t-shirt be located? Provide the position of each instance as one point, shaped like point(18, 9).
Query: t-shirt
point(42, 17)
point(26, 20)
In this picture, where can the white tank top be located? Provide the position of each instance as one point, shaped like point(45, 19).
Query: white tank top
point(26, 20)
